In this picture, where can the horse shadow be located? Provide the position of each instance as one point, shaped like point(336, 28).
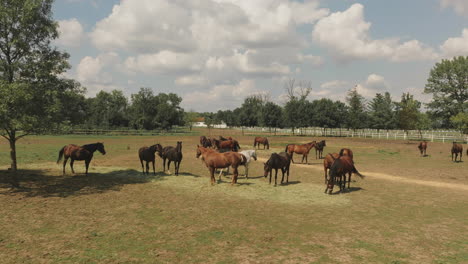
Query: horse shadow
point(43, 183)
point(347, 190)
point(290, 183)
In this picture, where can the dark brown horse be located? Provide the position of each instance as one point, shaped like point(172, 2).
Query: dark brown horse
point(277, 161)
point(299, 149)
point(330, 158)
point(261, 140)
point(174, 154)
point(205, 142)
point(341, 166)
point(319, 149)
point(224, 139)
point(457, 148)
point(75, 152)
point(147, 154)
point(214, 160)
point(422, 148)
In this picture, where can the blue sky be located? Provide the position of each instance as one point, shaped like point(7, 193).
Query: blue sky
point(214, 53)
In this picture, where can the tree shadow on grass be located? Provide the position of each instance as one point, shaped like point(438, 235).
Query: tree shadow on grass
point(47, 182)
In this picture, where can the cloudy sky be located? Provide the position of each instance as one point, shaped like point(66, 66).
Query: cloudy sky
point(214, 53)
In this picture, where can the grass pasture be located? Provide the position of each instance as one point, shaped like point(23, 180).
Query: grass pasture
point(408, 209)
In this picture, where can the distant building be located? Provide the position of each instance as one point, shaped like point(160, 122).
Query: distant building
point(200, 122)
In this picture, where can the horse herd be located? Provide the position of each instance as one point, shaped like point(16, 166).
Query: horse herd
point(224, 152)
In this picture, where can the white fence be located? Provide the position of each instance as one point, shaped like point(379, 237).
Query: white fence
point(429, 135)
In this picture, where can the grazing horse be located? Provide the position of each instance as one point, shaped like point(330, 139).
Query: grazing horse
point(341, 166)
point(299, 149)
point(75, 152)
point(214, 160)
point(422, 148)
point(174, 154)
point(233, 145)
point(261, 140)
point(249, 155)
point(277, 161)
point(457, 148)
point(319, 148)
point(148, 154)
point(328, 161)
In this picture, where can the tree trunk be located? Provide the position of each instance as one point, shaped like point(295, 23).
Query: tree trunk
point(275, 131)
point(12, 140)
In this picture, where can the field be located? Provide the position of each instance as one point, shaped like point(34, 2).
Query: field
point(408, 209)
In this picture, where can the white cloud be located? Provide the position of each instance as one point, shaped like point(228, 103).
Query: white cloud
point(70, 33)
point(95, 73)
point(191, 80)
point(162, 62)
point(374, 84)
point(224, 96)
point(460, 6)
point(346, 35)
point(456, 46)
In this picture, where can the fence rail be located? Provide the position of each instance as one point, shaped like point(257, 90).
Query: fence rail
point(430, 135)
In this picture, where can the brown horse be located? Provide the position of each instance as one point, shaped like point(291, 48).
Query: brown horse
point(422, 148)
point(261, 140)
point(147, 154)
point(205, 142)
point(299, 149)
point(214, 160)
point(277, 161)
point(457, 148)
point(328, 161)
point(75, 152)
point(174, 154)
point(224, 139)
point(233, 145)
point(341, 166)
point(319, 149)
point(346, 152)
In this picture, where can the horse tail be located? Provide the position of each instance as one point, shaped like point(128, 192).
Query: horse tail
point(357, 172)
point(60, 154)
point(286, 149)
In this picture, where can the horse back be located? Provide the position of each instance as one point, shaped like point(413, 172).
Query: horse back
point(457, 148)
point(81, 154)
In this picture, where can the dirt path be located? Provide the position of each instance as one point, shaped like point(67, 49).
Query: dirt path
point(389, 177)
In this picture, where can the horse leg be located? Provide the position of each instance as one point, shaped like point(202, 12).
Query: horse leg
point(292, 154)
point(234, 177)
point(276, 176)
point(282, 177)
point(142, 167)
point(147, 167)
point(72, 161)
point(246, 170)
point(271, 172)
point(64, 164)
point(212, 177)
point(178, 166)
point(154, 168)
point(87, 166)
point(169, 166)
point(349, 180)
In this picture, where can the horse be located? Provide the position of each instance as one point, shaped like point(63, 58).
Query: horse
point(75, 152)
point(233, 145)
point(341, 166)
point(319, 148)
point(261, 140)
point(330, 158)
point(422, 148)
point(148, 154)
point(299, 149)
point(205, 142)
point(249, 155)
point(214, 160)
point(174, 154)
point(224, 139)
point(277, 161)
point(457, 148)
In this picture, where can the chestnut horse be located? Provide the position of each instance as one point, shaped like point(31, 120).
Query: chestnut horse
point(277, 161)
point(147, 154)
point(214, 160)
point(330, 158)
point(75, 152)
point(457, 148)
point(341, 166)
point(422, 148)
point(319, 148)
point(299, 149)
point(261, 140)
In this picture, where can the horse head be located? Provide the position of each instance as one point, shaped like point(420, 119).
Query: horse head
point(100, 148)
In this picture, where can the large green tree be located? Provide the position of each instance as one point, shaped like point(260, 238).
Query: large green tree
point(108, 110)
point(250, 111)
point(448, 83)
point(357, 115)
point(31, 89)
point(271, 116)
point(408, 114)
point(381, 112)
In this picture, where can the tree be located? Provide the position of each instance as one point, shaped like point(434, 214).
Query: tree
point(296, 109)
point(271, 116)
point(460, 121)
point(250, 111)
point(30, 87)
point(381, 112)
point(448, 82)
point(191, 118)
point(168, 111)
point(357, 110)
point(108, 110)
point(408, 112)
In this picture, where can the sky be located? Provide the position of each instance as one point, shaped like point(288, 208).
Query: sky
point(214, 53)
